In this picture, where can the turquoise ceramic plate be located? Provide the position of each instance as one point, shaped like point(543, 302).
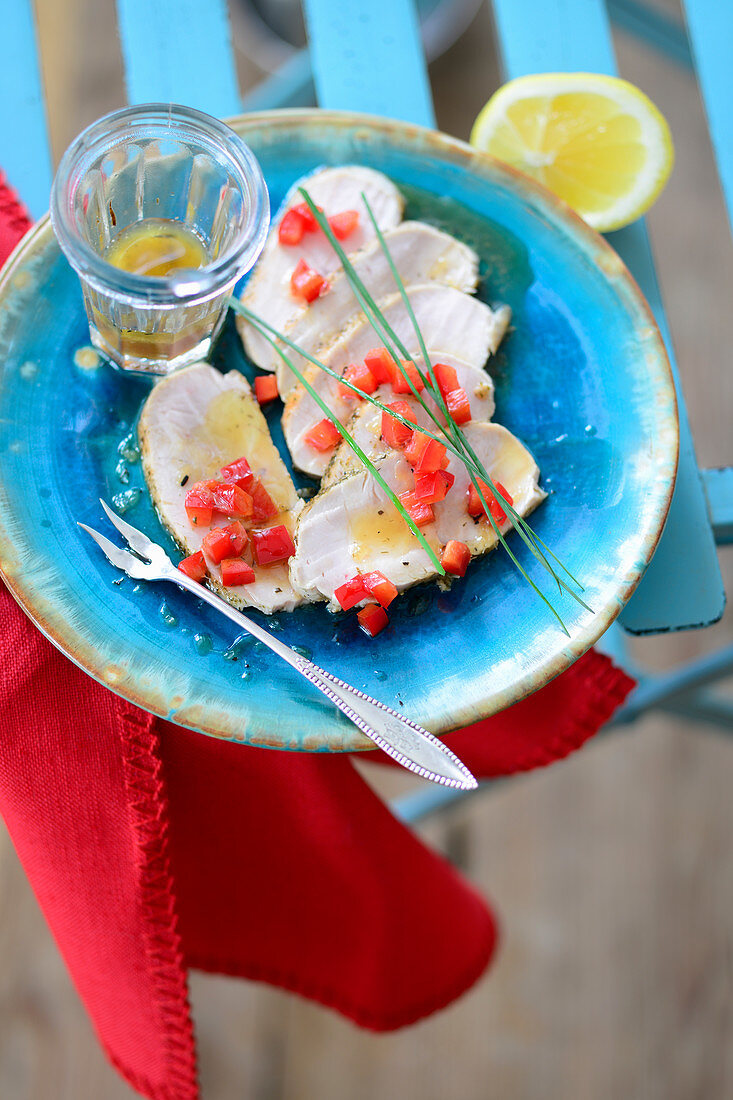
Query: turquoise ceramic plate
point(583, 380)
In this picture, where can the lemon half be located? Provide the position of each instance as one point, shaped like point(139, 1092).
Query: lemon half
point(596, 141)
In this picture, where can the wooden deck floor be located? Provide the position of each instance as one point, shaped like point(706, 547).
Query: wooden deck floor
point(612, 872)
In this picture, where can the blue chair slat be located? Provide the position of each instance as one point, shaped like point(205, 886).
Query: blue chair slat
point(179, 51)
point(710, 26)
point(664, 34)
point(367, 55)
point(291, 86)
point(719, 491)
point(24, 146)
point(575, 36)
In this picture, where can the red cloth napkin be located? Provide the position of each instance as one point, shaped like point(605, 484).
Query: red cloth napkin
point(152, 849)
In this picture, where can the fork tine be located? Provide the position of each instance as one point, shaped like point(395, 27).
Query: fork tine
point(121, 559)
point(139, 542)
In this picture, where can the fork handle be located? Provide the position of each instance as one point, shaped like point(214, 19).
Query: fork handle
point(403, 740)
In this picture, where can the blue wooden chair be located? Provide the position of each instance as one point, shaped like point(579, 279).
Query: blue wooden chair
point(356, 48)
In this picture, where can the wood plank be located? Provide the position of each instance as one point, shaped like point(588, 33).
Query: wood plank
point(367, 56)
point(575, 36)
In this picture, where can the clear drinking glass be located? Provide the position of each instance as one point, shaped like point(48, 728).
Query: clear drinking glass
point(169, 164)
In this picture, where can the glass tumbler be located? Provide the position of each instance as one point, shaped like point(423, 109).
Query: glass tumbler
point(158, 164)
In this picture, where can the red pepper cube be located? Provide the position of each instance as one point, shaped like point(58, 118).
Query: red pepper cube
point(344, 224)
point(419, 512)
point(381, 364)
point(266, 388)
point(217, 545)
point(263, 506)
point(432, 487)
point(309, 219)
point(235, 572)
point(434, 456)
point(323, 436)
point(199, 505)
point(352, 592)
point(401, 374)
point(291, 228)
point(458, 406)
point(272, 544)
point(446, 378)
point(306, 283)
point(382, 589)
point(194, 566)
point(455, 557)
point(394, 432)
point(416, 446)
point(372, 619)
point(238, 537)
point(232, 501)
point(475, 506)
point(239, 472)
point(360, 376)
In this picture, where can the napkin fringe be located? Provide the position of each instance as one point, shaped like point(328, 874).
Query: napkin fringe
point(148, 801)
point(606, 689)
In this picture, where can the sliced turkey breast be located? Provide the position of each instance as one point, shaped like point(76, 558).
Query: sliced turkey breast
point(366, 422)
point(194, 422)
point(453, 323)
point(352, 527)
point(335, 190)
point(421, 255)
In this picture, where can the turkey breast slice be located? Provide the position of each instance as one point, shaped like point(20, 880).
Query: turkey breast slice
point(194, 422)
point(366, 422)
point(456, 323)
point(420, 253)
point(267, 292)
point(352, 527)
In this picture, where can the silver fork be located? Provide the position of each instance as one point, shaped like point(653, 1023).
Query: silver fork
point(403, 740)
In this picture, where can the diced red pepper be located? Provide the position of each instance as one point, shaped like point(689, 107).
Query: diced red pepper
point(372, 619)
point(446, 378)
point(425, 454)
point(420, 512)
point(291, 228)
point(199, 505)
point(380, 587)
point(266, 388)
point(235, 572)
point(433, 457)
point(307, 283)
point(272, 544)
point(360, 376)
point(455, 557)
point(352, 592)
point(232, 501)
point(416, 446)
point(459, 406)
point(323, 436)
point(475, 506)
point(432, 486)
point(394, 433)
point(381, 364)
point(225, 542)
point(263, 506)
point(239, 472)
point(344, 224)
point(305, 212)
point(194, 566)
point(400, 383)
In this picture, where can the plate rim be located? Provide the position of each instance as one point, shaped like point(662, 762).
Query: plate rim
point(459, 152)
